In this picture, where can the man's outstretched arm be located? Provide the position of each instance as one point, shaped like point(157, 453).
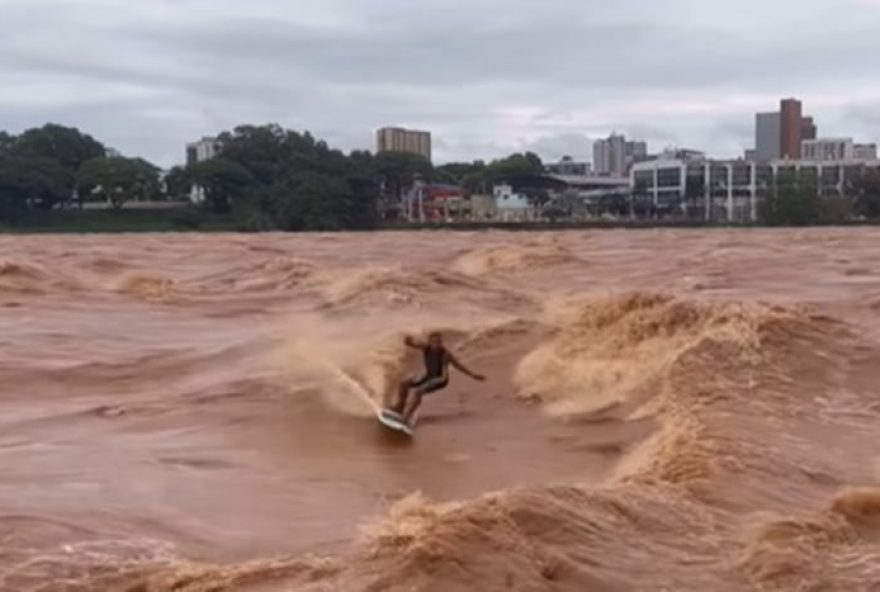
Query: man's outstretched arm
point(414, 343)
point(464, 369)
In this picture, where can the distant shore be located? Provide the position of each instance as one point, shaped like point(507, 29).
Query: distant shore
point(197, 220)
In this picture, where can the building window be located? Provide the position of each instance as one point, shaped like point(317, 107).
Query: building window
point(742, 175)
point(669, 177)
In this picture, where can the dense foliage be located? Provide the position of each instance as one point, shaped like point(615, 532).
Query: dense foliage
point(56, 165)
point(271, 178)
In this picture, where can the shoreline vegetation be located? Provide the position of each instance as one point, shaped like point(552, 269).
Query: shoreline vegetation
point(267, 178)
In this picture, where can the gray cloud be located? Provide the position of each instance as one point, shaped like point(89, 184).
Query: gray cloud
point(486, 76)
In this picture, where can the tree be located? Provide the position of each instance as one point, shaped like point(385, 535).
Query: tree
point(272, 178)
point(865, 191)
point(224, 182)
point(118, 179)
point(27, 182)
point(399, 170)
point(177, 182)
point(515, 165)
point(6, 142)
point(67, 146)
point(792, 201)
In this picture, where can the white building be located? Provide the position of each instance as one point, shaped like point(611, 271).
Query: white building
point(615, 155)
point(865, 151)
point(204, 149)
point(196, 152)
point(727, 190)
point(827, 149)
point(511, 206)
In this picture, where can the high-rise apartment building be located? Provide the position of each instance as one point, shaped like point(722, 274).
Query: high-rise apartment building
point(635, 152)
point(396, 139)
point(791, 126)
point(614, 155)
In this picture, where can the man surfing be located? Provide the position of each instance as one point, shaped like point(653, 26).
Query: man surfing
point(437, 361)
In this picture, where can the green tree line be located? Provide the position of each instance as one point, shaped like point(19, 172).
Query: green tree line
point(54, 165)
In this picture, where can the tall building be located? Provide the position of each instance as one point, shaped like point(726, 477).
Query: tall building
point(634, 152)
point(767, 136)
point(779, 134)
point(396, 139)
point(614, 155)
point(609, 155)
point(790, 128)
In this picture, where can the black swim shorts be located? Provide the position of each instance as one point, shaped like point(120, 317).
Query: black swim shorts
point(429, 384)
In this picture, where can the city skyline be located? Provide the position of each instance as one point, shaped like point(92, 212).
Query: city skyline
point(148, 78)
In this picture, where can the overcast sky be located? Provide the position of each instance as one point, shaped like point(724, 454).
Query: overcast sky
point(487, 77)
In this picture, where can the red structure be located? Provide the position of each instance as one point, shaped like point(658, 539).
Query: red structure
point(434, 202)
point(791, 127)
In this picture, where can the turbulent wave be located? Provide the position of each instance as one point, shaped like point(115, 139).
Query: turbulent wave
point(691, 365)
point(414, 288)
point(32, 278)
point(755, 467)
point(512, 258)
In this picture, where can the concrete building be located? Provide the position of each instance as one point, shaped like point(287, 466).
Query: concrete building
point(828, 149)
point(511, 206)
point(791, 126)
point(636, 151)
point(204, 149)
point(780, 134)
point(196, 152)
point(727, 191)
point(609, 155)
point(865, 151)
point(767, 136)
point(569, 166)
point(615, 155)
point(396, 139)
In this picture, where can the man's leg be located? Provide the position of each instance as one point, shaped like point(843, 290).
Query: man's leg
point(414, 403)
point(430, 386)
point(402, 395)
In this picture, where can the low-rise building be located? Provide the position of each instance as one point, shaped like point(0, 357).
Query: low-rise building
point(865, 152)
point(511, 206)
point(825, 149)
point(434, 202)
point(701, 189)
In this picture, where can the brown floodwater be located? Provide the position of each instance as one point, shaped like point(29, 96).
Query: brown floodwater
point(665, 410)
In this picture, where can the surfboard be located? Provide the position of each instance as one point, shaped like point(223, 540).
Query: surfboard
point(394, 421)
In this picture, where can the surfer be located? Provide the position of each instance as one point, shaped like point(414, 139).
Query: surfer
point(437, 361)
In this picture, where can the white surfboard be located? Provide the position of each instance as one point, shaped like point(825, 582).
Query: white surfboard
point(393, 421)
